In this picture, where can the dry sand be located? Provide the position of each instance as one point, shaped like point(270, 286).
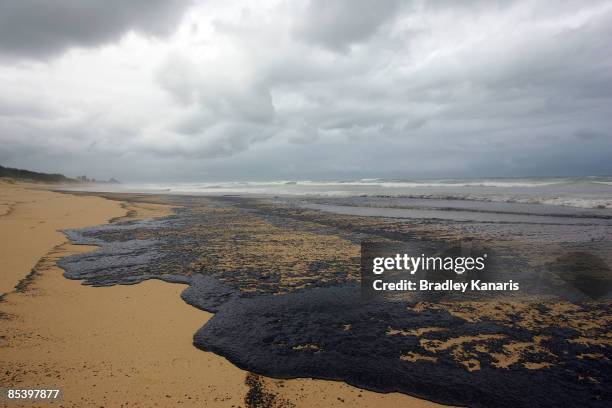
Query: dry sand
point(123, 345)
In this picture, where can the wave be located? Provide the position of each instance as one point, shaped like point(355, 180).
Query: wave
point(576, 202)
point(433, 184)
point(579, 192)
point(407, 183)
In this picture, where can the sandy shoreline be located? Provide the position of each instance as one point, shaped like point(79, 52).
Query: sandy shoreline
point(123, 345)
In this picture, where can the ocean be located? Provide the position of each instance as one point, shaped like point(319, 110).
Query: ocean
point(593, 192)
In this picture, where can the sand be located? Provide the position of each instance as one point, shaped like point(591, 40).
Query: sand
point(30, 220)
point(123, 345)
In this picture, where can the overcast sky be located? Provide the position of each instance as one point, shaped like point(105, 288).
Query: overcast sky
point(146, 90)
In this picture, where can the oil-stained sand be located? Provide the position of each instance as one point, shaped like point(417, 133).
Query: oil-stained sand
point(124, 345)
point(283, 284)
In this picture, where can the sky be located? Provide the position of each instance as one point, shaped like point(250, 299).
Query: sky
point(180, 90)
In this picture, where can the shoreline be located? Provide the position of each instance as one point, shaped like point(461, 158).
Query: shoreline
point(41, 343)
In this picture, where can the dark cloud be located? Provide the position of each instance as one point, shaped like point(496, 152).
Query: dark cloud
point(38, 29)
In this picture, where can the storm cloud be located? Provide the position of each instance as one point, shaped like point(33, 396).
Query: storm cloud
point(31, 28)
point(296, 90)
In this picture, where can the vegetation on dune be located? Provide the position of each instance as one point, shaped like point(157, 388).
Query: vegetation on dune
point(33, 175)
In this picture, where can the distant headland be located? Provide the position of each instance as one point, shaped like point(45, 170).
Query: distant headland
point(20, 174)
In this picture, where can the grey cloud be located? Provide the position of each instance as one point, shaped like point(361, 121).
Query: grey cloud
point(224, 96)
point(220, 140)
point(588, 134)
point(226, 113)
point(38, 29)
point(339, 24)
point(13, 108)
point(433, 89)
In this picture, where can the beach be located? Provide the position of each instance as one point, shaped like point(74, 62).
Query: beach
point(124, 345)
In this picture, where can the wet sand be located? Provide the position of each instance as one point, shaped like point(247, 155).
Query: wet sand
point(121, 345)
